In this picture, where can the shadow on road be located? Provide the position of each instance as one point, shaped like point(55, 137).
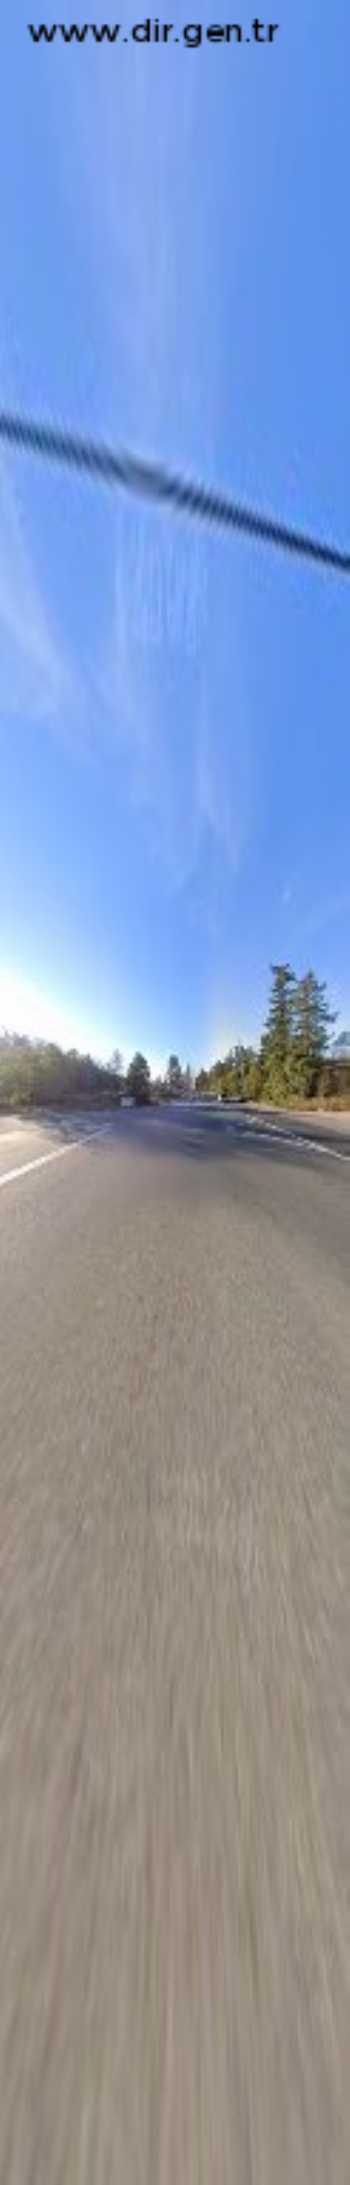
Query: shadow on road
point(200, 1138)
point(197, 1136)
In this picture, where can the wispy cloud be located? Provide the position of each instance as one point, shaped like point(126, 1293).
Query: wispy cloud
point(170, 653)
point(152, 684)
point(36, 678)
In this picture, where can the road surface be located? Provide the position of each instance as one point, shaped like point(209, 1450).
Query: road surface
point(175, 1658)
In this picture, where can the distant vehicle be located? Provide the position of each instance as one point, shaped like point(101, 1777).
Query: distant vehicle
point(127, 1100)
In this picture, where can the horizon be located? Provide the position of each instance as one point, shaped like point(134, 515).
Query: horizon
point(26, 1013)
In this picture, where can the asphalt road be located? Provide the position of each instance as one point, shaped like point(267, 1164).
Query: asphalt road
point(175, 1656)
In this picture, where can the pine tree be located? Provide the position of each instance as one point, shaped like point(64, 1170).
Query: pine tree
point(139, 1079)
point(188, 1082)
point(276, 1045)
point(174, 1077)
point(312, 1024)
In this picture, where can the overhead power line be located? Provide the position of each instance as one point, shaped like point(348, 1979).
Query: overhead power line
point(117, 468)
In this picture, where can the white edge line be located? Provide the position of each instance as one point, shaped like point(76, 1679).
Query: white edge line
point(309, 1145)
point(42, 1159)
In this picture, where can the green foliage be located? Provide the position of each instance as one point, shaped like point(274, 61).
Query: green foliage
point(296, 1036)
point(252, 1075)
point(157, 1092)
point(334, 1083)
point(312, 1024)
point(36, 1073)
point(187, 1082)
point(278, 1035)
point(115, 1067)
point(237, 1077)
point(288, 1065)
point(292, 1064)
point(139, 1080)
point(174, 1078)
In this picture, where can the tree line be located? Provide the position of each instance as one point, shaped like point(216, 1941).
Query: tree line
point(293, 1064)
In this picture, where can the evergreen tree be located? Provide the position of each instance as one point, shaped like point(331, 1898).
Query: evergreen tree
point(139, 1079)
point(238, 1071)
point(276, 1045)
point(116, 1063)
point(174, 1077)
point(312, 1024)
point(188, 1082)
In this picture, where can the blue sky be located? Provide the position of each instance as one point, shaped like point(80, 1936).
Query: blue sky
point(174, 706)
